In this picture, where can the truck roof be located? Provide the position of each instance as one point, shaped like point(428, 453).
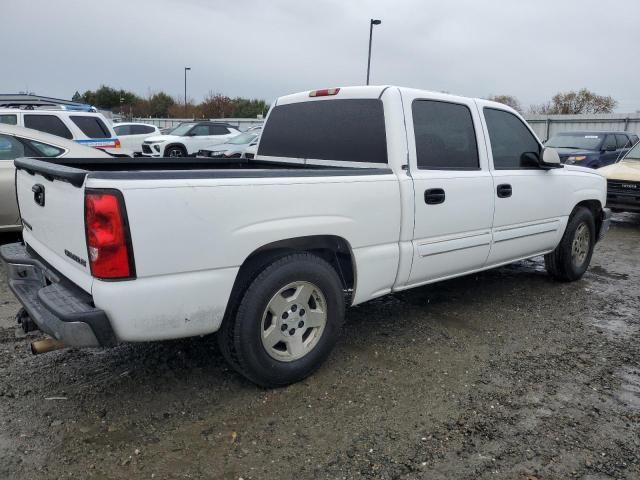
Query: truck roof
point(376, 91)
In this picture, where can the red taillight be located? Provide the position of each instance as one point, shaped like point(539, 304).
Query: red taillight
point(325, 92)
point(107, 235)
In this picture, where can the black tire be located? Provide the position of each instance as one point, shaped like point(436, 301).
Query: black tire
point(240, 337)
point(175, 151)
point(560, 263)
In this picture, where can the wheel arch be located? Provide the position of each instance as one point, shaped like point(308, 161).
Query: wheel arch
point(595, 207)
point(175, 144)
point(335, 250)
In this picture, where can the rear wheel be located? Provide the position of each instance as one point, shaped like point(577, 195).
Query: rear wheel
point(175, 151)
point(572, 256)
point(287, 322)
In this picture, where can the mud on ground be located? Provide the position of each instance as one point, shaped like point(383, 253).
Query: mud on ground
point(502, 375)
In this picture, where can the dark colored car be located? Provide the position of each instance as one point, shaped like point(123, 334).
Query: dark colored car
point(592, 149)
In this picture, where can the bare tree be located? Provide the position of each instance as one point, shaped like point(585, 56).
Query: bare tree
point(572, 102)
point(508, 100)
point(216, 105)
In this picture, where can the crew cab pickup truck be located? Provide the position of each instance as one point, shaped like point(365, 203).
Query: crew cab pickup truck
point(355, 193)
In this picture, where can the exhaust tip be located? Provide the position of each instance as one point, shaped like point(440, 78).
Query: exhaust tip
point(46, 345)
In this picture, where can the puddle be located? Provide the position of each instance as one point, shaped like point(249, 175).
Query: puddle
point(615, 327)
point(535, 264)
point(602, 272)
point(629, 391)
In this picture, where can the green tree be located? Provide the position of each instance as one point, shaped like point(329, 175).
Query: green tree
point(107, 97)
point(76, 97)
point(246, 108)
point(159, 104)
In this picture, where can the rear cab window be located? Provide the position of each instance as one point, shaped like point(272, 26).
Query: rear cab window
point(347, 130)
point(92, 127)
point(48, 124)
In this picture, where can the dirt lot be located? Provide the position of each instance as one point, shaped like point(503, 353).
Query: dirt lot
point(505, 374)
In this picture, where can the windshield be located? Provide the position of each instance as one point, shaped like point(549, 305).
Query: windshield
point(634, 153)
point(242, 139)
point(182, 129)
point(586, 141)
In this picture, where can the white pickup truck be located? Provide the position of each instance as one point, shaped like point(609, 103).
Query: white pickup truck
point(355, 193)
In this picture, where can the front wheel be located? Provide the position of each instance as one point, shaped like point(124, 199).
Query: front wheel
point(175, 152)
point(572, 256)
point(286, 323)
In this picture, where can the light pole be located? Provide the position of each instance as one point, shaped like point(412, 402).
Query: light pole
point(372, 22)
point(185, 90)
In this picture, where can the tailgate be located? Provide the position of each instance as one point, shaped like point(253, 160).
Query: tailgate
point(52, 210)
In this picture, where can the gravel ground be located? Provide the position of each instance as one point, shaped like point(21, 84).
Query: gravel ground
point(504, 374)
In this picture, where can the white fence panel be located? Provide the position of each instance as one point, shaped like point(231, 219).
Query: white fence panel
point(546, 126)
point(240, 123)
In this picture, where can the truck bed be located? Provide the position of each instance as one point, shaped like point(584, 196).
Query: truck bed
point(75, 170)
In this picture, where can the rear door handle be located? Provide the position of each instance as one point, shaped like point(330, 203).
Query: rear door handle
point(434, 196)
point(504, 190)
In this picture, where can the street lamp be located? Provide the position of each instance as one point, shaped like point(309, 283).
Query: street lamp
point(185, 90)
point(372, 22)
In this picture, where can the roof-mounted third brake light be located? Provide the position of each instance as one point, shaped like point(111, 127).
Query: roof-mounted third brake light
point(325, 92)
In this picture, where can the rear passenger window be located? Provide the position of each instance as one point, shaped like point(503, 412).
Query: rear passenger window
point(10, 148)
point(141, 129)
point(218, 130)
point(351, 130)
point(48, 124)
point(622, 141)
point(9, 119)
point(513, 145)
point(92, 127)
point(44, 149)
point(123, 130)
point(445, 137)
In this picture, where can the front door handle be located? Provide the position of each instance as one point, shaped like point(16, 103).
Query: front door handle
point(434, 196)
point(504, 190)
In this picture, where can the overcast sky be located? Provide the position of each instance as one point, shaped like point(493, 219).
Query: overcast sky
point(262, 49)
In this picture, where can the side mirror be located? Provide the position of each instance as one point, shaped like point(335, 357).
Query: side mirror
point(550, 158)
point(610, 148)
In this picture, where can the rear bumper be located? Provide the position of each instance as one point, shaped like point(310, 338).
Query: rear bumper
point(57, 306)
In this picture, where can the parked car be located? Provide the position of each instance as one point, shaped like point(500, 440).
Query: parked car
point(355, 193)
point(187, 138)
point(87, 128)
point(592, 149)
point(251, 150)
point(132, 135)
point(233, 148)
point(16, 142)
point(623, 182)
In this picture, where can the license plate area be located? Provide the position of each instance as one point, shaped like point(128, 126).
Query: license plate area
point(27, 272)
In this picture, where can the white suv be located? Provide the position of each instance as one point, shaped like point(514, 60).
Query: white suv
point(187, 138)
point(133, 134)
point(87, 128)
